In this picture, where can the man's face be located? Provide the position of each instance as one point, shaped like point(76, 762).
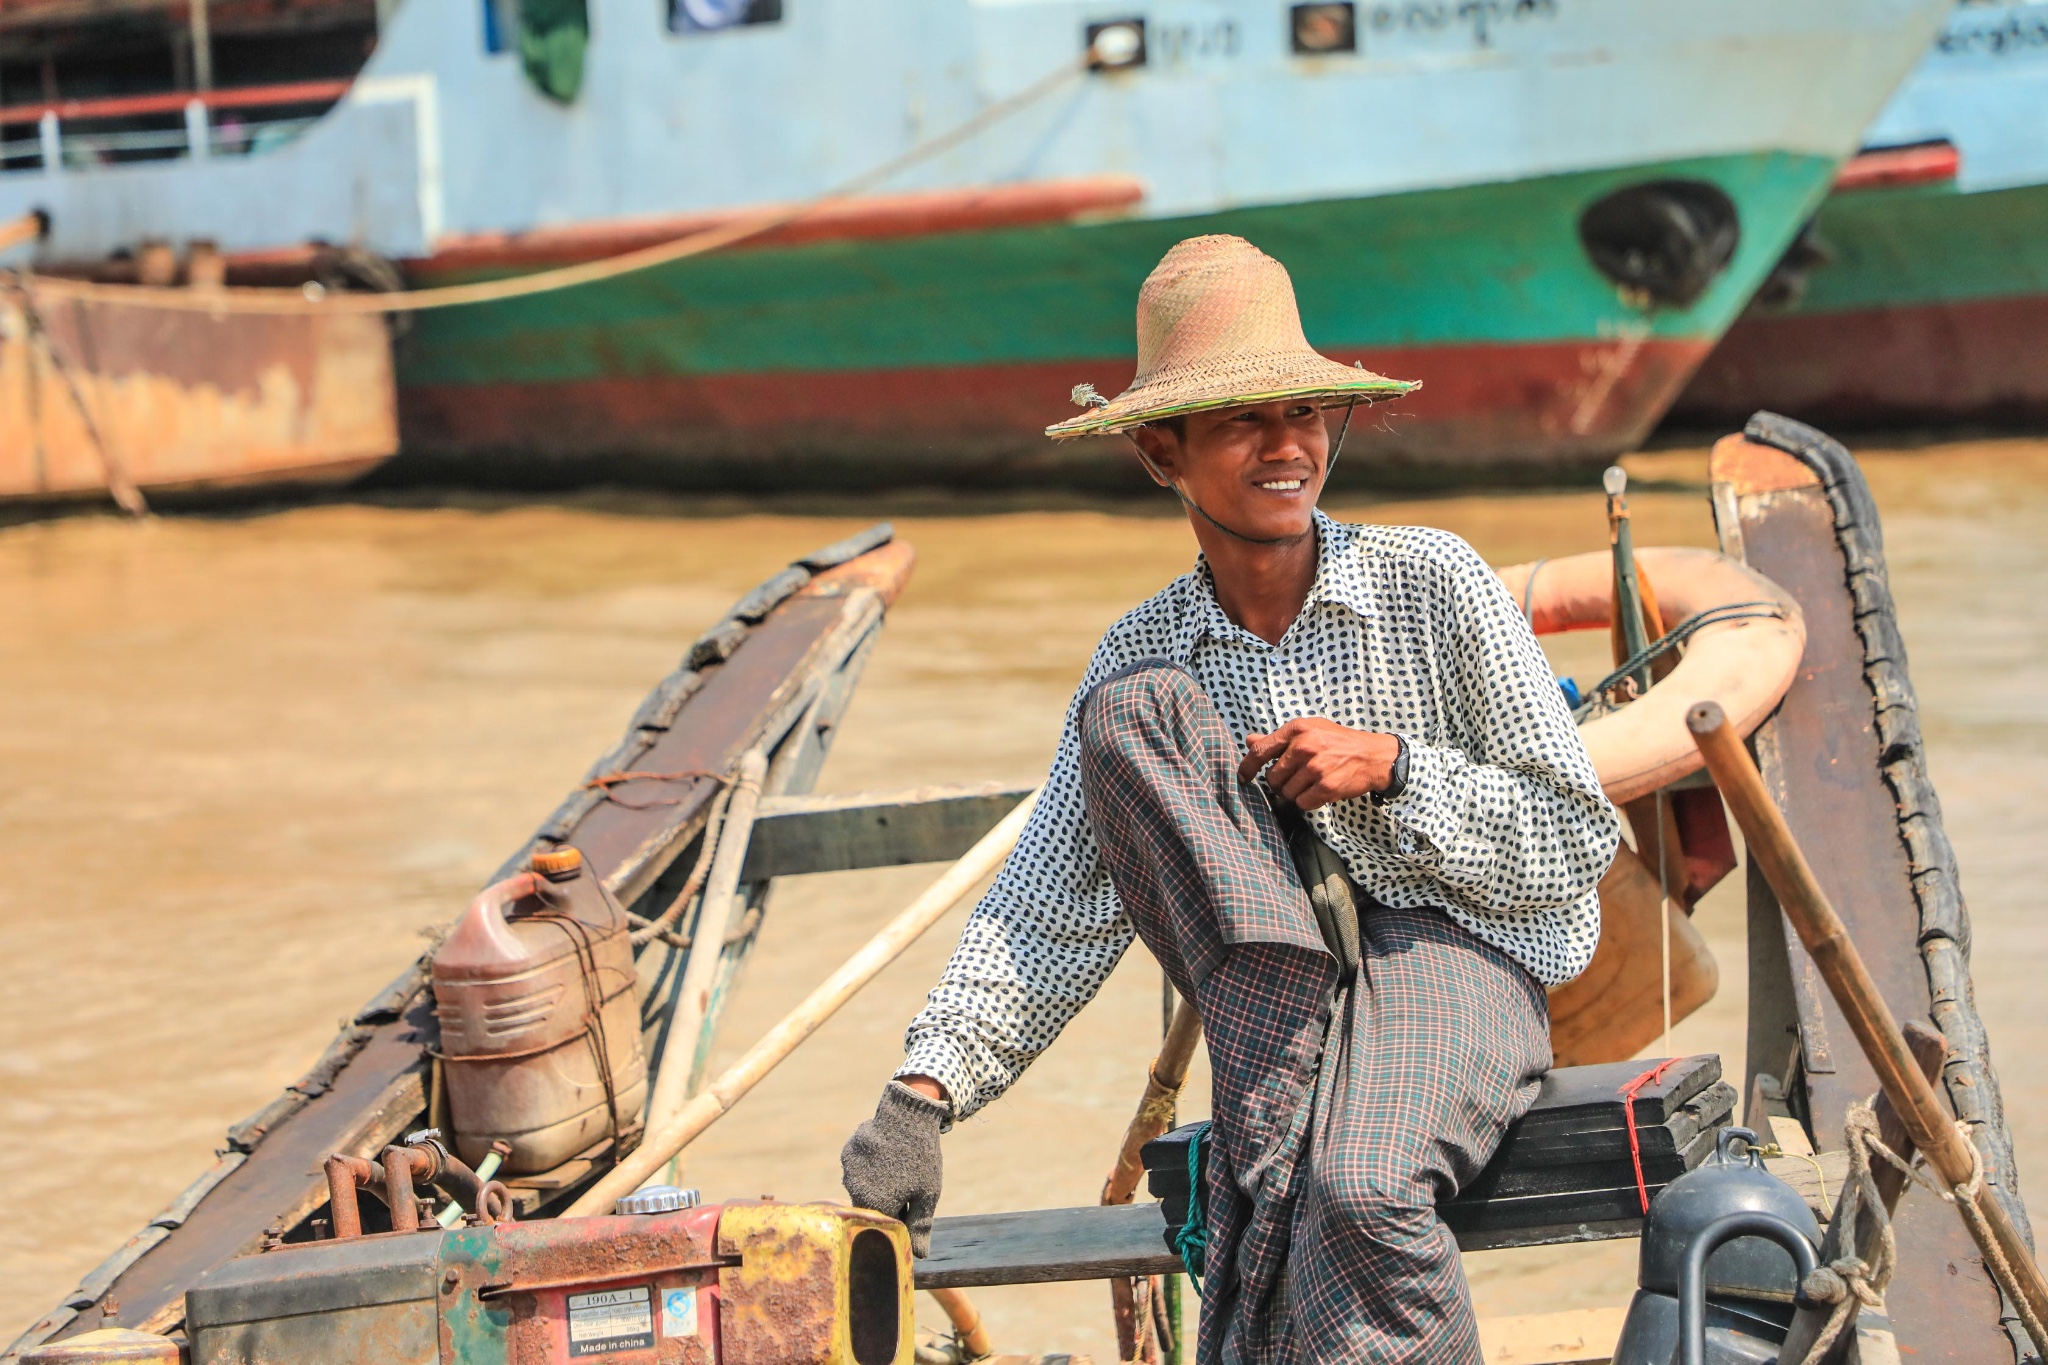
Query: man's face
point(1257, 469)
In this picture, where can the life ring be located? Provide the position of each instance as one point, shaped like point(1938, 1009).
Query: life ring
point(1745, 662)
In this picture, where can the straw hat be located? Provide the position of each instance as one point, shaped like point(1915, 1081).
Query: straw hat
point(1218, 328)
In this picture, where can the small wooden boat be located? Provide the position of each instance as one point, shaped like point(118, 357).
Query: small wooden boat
point(1841, 753)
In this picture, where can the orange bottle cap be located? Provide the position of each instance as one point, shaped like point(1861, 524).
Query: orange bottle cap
point(557, 862)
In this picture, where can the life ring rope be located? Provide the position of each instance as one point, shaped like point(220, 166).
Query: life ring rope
point(1743, 637)
point(1596, 703)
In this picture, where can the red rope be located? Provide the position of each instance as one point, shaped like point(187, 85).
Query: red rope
point(1635, 1146)
point(610, 780)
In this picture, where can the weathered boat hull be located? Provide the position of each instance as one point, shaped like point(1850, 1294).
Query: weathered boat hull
point(1844, 759)
point(1928, 299)
point(944, 356)
point(95, 393)
point(1933, 310)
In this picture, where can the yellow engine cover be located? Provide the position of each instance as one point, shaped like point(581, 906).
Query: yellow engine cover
point(816, 1284)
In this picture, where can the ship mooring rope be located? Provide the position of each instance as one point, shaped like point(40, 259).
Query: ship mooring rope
point(315, 300)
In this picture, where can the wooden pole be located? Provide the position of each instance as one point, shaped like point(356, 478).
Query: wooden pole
point(1925, 1119)
point(1155, 1111)
point(1168, 1073)
point(707, 945)
point(711, 1104)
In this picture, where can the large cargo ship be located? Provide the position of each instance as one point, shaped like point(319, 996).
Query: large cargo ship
point(1548, 211)
point(1921, 292)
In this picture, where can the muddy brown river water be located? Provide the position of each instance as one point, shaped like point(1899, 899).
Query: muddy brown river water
point(247, 759)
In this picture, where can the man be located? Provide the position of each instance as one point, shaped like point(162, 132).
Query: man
point(1367, 695)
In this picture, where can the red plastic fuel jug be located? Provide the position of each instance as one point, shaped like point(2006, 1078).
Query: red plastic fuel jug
point(540, 1021)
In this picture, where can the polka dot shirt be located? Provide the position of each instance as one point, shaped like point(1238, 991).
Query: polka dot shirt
point(1405, 631)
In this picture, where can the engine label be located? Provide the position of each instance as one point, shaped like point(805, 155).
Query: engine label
point(611, 1320)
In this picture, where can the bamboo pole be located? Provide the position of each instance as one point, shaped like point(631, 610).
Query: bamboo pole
point(1162, 1087)
point(712, 1103)
point(707, 945)
point(1827, 941)
point(1163, 1082)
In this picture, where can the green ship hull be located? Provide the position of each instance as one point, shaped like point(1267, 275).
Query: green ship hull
point(1934, 308)
point(941, 356)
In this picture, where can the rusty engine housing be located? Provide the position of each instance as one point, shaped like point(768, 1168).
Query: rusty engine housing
point(734, 1284)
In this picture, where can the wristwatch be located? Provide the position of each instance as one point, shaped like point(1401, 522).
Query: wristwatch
point(1397, 781)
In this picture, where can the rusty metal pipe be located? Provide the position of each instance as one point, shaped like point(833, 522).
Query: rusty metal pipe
point(968, 1328)
point(1925, 1117)
point(401, 1165)
point(345, 1175)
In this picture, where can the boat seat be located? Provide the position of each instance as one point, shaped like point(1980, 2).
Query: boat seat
point(1563, 1174)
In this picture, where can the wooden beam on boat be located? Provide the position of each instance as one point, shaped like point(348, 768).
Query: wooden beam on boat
point(1109, 1241)
point(796, 835)
point(1038, 1246)
point(1843, 758)
point(783, 662)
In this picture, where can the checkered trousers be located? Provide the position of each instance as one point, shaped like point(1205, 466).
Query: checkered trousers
point(1343, 1112)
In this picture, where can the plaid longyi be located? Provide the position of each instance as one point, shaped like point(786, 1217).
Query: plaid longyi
point(1342, 1113)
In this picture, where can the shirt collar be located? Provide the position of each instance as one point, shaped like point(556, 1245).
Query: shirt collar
point(1338, 579)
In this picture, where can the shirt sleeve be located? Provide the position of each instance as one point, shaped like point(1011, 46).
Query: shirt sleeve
point(1037, 947)
point(1513, 823)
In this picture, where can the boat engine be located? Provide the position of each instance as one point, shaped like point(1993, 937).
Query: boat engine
point(1724, 1251)
point(663, 1281)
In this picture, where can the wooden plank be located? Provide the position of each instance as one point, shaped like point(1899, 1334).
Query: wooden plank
point(1103, 1242)
point(1818, 1178)
point(797, 835)
point(1099, 1242)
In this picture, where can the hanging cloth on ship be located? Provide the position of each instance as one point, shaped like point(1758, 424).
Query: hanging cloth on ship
point(553, 35)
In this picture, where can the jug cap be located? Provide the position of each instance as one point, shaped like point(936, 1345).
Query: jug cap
point(557, 864)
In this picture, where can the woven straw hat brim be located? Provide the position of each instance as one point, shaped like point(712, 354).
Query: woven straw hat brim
point(1308, 376)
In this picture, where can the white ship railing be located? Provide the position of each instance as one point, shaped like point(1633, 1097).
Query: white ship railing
point(211, 124)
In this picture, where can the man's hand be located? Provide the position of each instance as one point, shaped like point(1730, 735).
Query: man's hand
point(891, 1163)
point(1317, 761)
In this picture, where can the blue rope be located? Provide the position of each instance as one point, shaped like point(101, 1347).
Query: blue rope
point(1191, 1241)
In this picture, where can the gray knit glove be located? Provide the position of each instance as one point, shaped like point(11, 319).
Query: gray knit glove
point(891, 1163)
